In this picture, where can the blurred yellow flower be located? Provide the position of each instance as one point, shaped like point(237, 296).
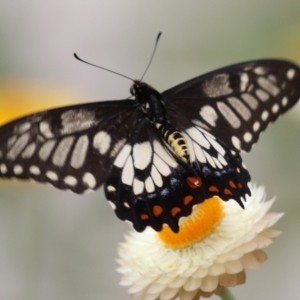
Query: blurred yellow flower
point(164, 265)
point(20, 98)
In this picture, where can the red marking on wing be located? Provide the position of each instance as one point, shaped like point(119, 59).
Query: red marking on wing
point(144, 217)
point(213, 188)
point(227, 192)
point(232, 184)
point(157, 210)
point(188, 199)
point(194, 182)
point(175, 211)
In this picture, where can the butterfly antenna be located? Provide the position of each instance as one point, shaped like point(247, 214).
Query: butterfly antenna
point(77, 57)
point(156, 42)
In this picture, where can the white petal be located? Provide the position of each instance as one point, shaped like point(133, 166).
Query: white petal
point(209, 283)
point(192, 284)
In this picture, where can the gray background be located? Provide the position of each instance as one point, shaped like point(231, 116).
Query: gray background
point(57, 245)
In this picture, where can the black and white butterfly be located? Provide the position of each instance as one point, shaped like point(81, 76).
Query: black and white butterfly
point(158, 154)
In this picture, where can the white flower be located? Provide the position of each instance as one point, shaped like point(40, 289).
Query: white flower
point(212, 250)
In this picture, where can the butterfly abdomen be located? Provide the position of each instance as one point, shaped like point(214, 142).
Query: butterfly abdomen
point(174, 139)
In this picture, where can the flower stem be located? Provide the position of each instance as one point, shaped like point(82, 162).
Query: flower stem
point(227, 295)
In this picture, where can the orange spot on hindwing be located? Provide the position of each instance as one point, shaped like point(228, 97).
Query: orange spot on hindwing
point(144, 216)
point(175, 211)
point(194, 182)
point(227, 192)
point(187, 199)
point(157, 210)
point(232, 184)
point(213, 188)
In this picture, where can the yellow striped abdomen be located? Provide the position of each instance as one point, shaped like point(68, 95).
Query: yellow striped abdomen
point(174, 139)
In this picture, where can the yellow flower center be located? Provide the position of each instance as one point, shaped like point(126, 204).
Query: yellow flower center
point(204, 218)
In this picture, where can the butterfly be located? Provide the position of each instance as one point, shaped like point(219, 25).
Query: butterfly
point(157, 154)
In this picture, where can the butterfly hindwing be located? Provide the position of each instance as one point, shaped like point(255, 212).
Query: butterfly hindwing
point(72, 148)
point(148, 186)
point(235, 104)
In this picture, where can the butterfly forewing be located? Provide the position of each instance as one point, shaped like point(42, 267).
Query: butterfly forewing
point(235, 104)
point(72, 148)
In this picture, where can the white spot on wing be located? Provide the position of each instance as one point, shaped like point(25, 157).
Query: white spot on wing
point(46, 150)
point(3, 168)
point(272, 78)
point(161, 166)
point(162, 153)
point(244, 81)
point(264, 115)
point(256, 126)
point(290, 73)
point(284, 101)
point(138, 186)
point(156, 177)
point(216, 145)
point(122, 156)
point(18, 169)
point(34, 170)
point(52, 175)
point(126, 204)
point(113, 206)
point(62, 151)
point(222, 160)
point(262, 95)
point(89, 180)
point(45, 129)
point(77, 120)
point(218, 163)
point(29, 150)
point(209, 115)
point(247, 137)
point(111, 188)
point(236, 142)
point(102, 142)
point(200, 124)
point(268, 86)
point(142, 154)
point(117, 147)
point(275, 108)
point(11, 141)
point(229, 115)
point(128, 172)
point(149, 185)
point(24, 127)
point(70, 180)
point(18, 146)
point(260, 70)
point(217, 86)
point(209, 159)
point(240, 108)
point(79, 153)
point(198, 137)
point(199, 153)
point(250, 100)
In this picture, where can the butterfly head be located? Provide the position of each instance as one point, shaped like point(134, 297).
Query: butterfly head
point(149, 99)
point(142, 91)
